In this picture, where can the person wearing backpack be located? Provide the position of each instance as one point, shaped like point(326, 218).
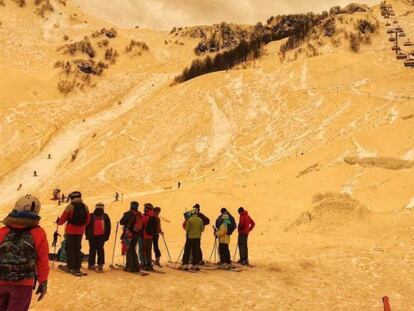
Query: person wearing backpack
point(157, 251)
point(24, 256)
point(246, 225)
point(76, 216)
point(232, 226)
point(132, 222)
point(224, 240)
point(97, 233)
point(206, 222)
point(150, 228)
point(194, 228)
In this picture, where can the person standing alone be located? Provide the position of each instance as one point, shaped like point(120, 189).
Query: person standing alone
point(98, 232)
point(246, 225)
point(76, 216)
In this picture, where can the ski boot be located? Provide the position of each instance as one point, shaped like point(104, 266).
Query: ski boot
point(157, 262)
point(183, 267)
point(195, 268)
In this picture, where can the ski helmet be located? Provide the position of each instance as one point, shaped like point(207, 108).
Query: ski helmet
point(28, 203)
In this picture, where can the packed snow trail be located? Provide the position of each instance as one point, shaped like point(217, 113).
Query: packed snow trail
point(65, 143)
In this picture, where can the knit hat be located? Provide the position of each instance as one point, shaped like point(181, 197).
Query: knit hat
point(197, 206)
point(223, 210)
point(148, 206)
point(75, 195)
point(26, 207)
point(134, 205)
point(225, 216)
point(100, 205)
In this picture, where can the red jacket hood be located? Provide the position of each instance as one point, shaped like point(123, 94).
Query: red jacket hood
point(20, 223)
point(149, 213)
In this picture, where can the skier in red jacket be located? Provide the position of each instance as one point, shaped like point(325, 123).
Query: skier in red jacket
point(246, 225)
point(150, 228)
point(97, 233)
point(24, 250)
point(76, 216)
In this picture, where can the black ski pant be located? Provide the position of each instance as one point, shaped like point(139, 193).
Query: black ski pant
point(200, 254)
point(224, 253)
point(243, 249)
point(73, 251)
point(132, 263)
point(96, 247)
point(157, 251)
point(147, 250)
point(192, 247)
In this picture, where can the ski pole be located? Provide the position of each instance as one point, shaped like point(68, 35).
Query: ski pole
point(54, 246)
point(212, 251)
point(235, 252)
point(116, 236)
point(179, 256)
point(166, 246)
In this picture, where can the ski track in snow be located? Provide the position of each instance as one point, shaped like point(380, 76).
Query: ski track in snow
point(409, 156)
point(410, 204)
point(63, 145)
point(362, 152)
point(222, 131)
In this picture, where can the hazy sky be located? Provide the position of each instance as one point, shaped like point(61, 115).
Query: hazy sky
point(164, 14)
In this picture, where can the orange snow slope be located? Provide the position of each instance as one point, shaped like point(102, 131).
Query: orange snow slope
point(319, 149)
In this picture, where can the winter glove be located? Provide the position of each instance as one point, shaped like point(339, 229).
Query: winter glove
point(41, 290)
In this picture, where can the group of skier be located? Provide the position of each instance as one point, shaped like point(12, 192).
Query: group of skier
point(24, 249)
point(194, 225)
point(141, 231)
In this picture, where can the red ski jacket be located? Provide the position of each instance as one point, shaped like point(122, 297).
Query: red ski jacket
point(68, 214)
point(246, 223)
point(41, 245)
point(145, 220)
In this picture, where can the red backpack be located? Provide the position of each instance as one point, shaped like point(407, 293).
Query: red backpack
point(137, 227)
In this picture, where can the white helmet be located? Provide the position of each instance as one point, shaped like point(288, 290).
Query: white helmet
point(28, 203)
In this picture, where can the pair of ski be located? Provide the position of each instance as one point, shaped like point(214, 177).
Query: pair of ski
point(175, 267)
point(204, 268)
point(140, 273)
point(66, 270)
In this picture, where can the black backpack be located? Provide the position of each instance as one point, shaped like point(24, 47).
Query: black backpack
point(80, 215)
point(17, 256)
point(231, 227)
point(152, 226)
